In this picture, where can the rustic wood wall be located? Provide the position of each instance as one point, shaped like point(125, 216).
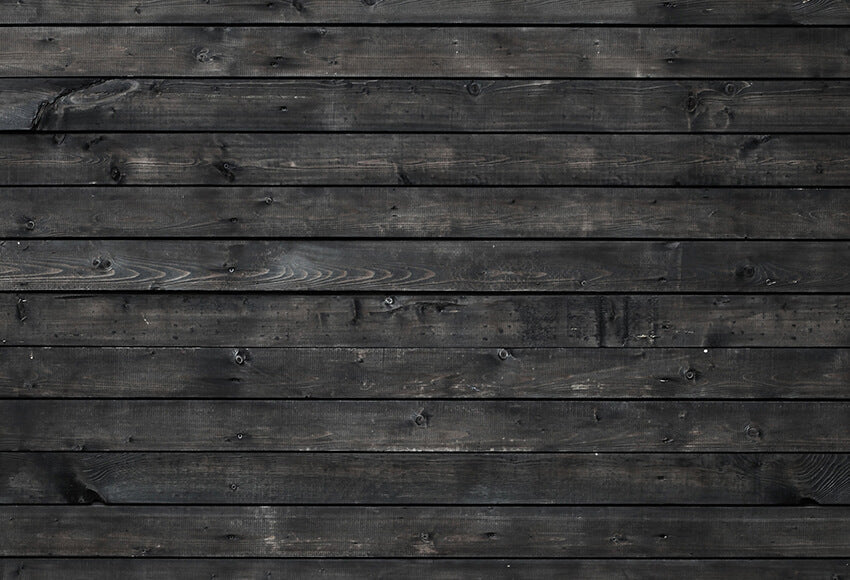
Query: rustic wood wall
point(425, 289)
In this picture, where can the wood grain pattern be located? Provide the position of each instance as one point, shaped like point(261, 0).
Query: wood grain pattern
point(452, 266)
point(437, 569)
point(425, 531)
point(416, 478)
point(429, 320)
point(364, 373)
point(578, 426)
point(689, 106)
point(416, 212)
point(421, 52)
point(693, 12)
point(424, 159)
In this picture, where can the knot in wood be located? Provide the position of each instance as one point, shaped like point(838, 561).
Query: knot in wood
point(503, 354)
point(473, 89)
point(690, 374)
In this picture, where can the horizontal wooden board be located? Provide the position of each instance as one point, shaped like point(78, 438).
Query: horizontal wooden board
point(436, 569)
point(361, 373)
point(580, 426)
point(419, 52)
point(424, 105)
point(415, 212)
point(693, 12)
point(424, 159)
point(451, 266)
point(424, 531)
point(417, 320)
point(404, 478)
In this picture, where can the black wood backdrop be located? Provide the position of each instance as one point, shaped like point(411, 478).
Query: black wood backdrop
point(425, 288)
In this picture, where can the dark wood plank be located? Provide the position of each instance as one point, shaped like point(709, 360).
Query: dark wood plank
point(424, 105)
point(359, 373)
point(424, 159)
point(425, 531)
point(246, 212)
point(578, 426)
point(695, 12)
point(451, 266)
point(457, 52)
point(446, 320)
point(402, 478)
point(436, 569)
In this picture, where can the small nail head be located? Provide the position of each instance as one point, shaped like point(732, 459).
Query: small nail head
point(389, 300)
point(239, 358)
point(240, 435)
point(503, 354)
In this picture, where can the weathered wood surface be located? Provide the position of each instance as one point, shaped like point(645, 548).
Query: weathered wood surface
point(650, 12)
point(451, 266)
point(424, 159)
point(416, 478)
point(424, 105)
point(424, 320)
point(587, 532)
point(436, 569)
point(421, 52)
point(391, 373)
point(579, 426)
point(415, 212)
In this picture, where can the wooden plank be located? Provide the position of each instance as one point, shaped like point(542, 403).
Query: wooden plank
point(424, 159)
point(411, 212)
point(569, 426)
point(424, 105)
point(429, 320)
point(359, 373)
point(587, 532)
point(402, 478)
point(451, 266)
point(436, 569)
point(421, 52)
point(693, 12)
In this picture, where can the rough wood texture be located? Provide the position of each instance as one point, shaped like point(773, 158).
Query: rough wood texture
point(424, 105)
point(421, 52)
point(402, 478)
point(580, 426)
point(429, 320)
point(451, 266)
point(650, 12)
point(364, 373)
point(436, 569)
point(472, 212)
point(424, 159)
point(587, 532)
